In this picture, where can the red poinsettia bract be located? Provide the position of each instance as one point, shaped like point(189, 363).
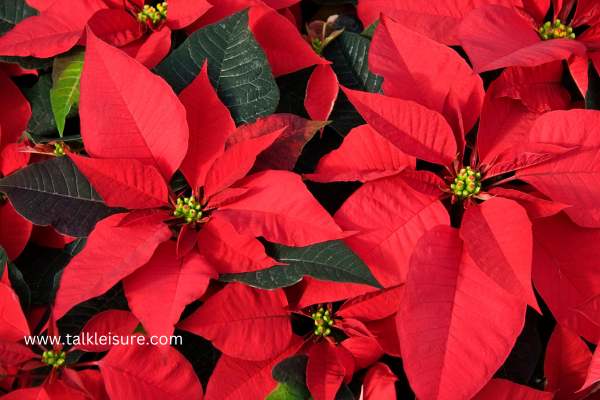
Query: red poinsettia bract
point(169, 245)
point(131, 369)
point(467, 285)
point(143, 31)
point(253, 328)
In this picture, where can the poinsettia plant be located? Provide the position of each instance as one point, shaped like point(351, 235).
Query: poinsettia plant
point(299, 199)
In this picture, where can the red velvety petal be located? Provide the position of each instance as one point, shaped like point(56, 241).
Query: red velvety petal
point(417, 68)
point(438, 20)
point(572, 179)
point(109, 322)
point(149, 372)
point(56, 30)
point(158, 292)
point(208, 130)
point(515, 40)
point(279, 207)
point(502, 389)
point(184, 12)
point(325, 370)
point(365, 155)
point(234, 379)
point(413, 128)
point(138, 108)
point(15, 231)
point(373, 306)
point(321, 92)
point(112, 252)
point(13, 353)
point(364, 349)
point(151, 50)
point(566, 363)
point(284, 153)
point(512, 104)
point(503, 251)
point(126, 183)
point(287, 51)
point(565, 272)
point(397, 217)
point(236, 162)
point(115, 26)
point(453, 342)
point(14, 114)
point(243, 322)
point(379, 383)
point(228, 251)
point(13, 325)
point(535, 205)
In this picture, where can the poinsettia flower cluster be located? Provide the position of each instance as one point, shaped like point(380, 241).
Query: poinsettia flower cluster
point(388, 199)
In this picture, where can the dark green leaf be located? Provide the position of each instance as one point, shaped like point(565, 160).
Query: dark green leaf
point(12, 12)
point(592, 97)
point(349, 54)
point(334, 2)
point(370, 30)
point(28, 62)
point(3, 260)
point(55, 193)
point(328, 261)
point(288, 392)
point(237, 66)
point(291, 375)
point(293, 90)
point(39, 265)
point(292, 370)
point(42, 120)
point(19, 285)
point(75, 246)
point(66, 75)
point(344, 393)
point(74, 320)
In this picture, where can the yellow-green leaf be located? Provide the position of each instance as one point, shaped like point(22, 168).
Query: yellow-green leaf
point(66, 75)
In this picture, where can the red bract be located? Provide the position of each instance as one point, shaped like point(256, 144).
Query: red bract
point(486, 263)
point(522, 36)
point(287, 51)
point(14, 117)
point(439, 20)
point(166, 243)
point(60, 26)
point(127, 371)
point(254, 325)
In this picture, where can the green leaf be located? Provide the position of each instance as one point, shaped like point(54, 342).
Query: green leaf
point(3, 260)
point(237, 67)
point(42, 120)
point(328, 261)
point(28, 62)
point(291, 374)
point(54, 192)
point(370, 30)
point(292, 370)
point(19, 285)
point(592, 97)
point(12, 12)
point(39, 265)
point(288, 392)
point(66, 75)
point(334, 2)
point(76, 318)
point(349, 54)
